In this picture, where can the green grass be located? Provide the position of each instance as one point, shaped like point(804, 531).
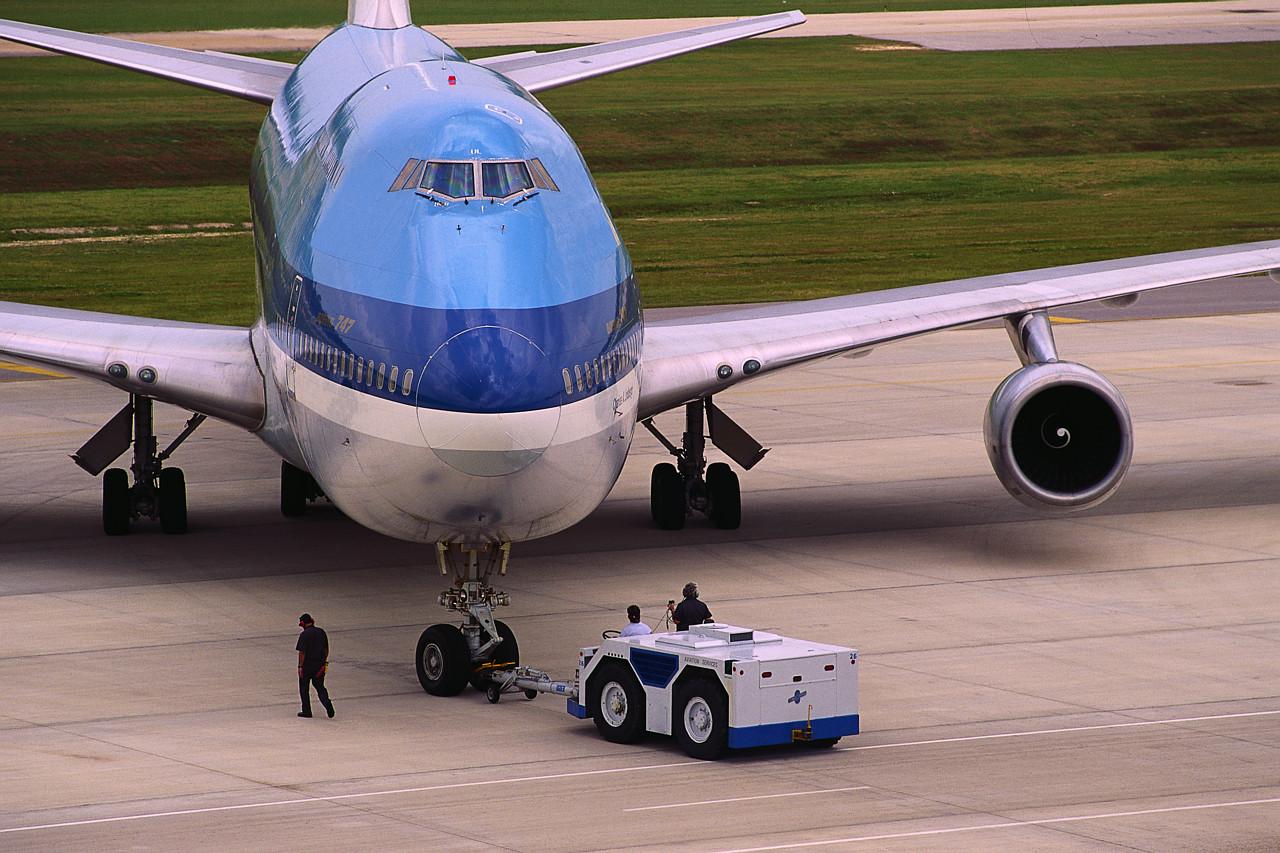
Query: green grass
point(69, 124)
point(772, 170)
point(151, 15)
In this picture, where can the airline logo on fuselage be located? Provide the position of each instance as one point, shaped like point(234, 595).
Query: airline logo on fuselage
point(617, 322)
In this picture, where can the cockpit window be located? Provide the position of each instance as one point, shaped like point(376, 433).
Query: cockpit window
point(453, 180)
point(505, 179)
point(541, 178)
point(456, 180)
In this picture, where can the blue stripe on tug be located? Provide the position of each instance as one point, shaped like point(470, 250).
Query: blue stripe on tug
point(773, 734)
point(655, 669)
point(575, 709)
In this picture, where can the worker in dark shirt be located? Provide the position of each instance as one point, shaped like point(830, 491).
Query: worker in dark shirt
point(691, 611)
point(313, 661)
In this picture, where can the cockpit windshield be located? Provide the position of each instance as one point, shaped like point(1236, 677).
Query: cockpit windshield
point(453, 180)
point(505, 179)
point(456, 180)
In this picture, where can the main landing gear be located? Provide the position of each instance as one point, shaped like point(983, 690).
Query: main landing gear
point(450, 657)
point(297, 489)
point(157, 492)
point(691, 485)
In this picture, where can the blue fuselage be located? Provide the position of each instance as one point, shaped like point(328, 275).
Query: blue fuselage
point(450, 360)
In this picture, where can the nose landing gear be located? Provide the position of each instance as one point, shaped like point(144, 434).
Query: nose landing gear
point(451, 656)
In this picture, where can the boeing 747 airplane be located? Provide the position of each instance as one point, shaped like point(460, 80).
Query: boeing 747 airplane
point(451, 346)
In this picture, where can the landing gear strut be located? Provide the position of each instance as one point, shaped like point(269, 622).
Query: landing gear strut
point(297, 489)
point(691, 485)
point(449, 657)
point(157, 492)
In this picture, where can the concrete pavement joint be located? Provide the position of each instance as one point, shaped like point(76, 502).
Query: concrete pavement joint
point(1003, 825)
point(360, 795)
point(614, 770)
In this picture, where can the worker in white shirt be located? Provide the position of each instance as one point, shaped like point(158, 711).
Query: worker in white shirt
point(634, 627)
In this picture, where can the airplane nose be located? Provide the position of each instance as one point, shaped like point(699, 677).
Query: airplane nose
point(486, 403)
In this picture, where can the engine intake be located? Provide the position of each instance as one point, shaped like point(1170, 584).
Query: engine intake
point(1058, 435)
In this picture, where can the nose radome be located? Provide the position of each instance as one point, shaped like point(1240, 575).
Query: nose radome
point(484, 404)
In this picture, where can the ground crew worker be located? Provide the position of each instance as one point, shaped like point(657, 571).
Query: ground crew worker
point(691, 611)
point(313, 661)
point(634, 627)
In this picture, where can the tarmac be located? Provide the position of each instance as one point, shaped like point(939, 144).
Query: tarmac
point(1016, 28)
point(1100, 681)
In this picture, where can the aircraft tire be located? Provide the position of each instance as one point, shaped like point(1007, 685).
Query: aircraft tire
point(115, 502)
point(294, 486)
point(173, 501)
point(443, 660)
point(725, 496)
point(506, 654)
point(700, 718)
point(616, 702)
point(666, 497)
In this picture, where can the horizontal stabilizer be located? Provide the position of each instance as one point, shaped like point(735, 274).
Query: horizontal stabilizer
point(258, 80)
point(541, 71)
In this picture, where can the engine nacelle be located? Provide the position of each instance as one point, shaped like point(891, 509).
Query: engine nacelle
point(1058, 435)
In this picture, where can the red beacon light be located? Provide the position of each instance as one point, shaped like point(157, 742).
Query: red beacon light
point(453, 81)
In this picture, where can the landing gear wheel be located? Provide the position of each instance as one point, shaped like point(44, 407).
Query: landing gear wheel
point(173, 501)
point(295, 488)
point(616, 702)
point(725, 496)
point(444, 661)
point(506, 655)
point(666, 497)
point(115, 502)
point(700, 721)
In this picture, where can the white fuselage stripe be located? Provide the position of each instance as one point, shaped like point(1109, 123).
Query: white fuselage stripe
point(399, 422)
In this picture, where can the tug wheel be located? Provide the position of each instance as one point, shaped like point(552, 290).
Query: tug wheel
point(616, 703)
point(700, 721)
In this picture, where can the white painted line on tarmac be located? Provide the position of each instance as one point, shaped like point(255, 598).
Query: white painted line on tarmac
point(744, 799)
point(580, 773)
point(1006, 825)
point(1134, 724)
point(339, 797)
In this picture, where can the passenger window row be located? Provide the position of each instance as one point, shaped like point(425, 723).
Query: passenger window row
point(462, 179)
point(590, 375)
point(356, 369)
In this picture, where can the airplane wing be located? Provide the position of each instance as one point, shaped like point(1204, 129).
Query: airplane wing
point(257, 80)
point(682, 358)
point(203, 368)
point(540, 71)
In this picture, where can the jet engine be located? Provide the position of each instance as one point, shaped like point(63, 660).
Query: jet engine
point(1058, 435)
